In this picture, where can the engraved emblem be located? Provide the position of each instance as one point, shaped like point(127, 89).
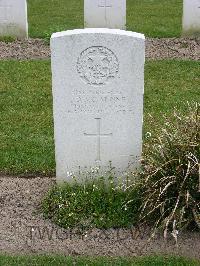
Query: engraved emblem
point(97, 65)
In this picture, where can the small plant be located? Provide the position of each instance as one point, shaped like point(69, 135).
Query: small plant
point(47, 34)
point(171, 197)
point(97, 203)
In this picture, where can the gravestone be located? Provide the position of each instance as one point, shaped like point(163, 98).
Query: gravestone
point(105, 14)
point(191, 18)
point(98, 85)
point(13, 18)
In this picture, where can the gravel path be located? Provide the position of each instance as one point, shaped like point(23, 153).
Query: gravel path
point(178, 48)
point(24, 231)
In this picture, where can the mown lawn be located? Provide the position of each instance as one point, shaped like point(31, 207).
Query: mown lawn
point(155, 18)
point(26, 107)
point(94, 261)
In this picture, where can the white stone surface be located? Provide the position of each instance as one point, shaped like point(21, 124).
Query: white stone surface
point(13, 18)
point(105, 14)
point(191, 17)
point(98, 85)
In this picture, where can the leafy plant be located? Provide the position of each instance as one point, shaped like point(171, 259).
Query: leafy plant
point(171, 197)
point(97, 203)
point(47, 34)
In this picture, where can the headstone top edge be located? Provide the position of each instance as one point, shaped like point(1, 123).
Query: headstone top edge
point(98, 31)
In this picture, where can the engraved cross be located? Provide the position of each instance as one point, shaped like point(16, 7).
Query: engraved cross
point(4, 10)
point(105, 4)
point(98, 135)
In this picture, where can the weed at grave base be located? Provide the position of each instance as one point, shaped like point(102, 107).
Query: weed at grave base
point(98, 203)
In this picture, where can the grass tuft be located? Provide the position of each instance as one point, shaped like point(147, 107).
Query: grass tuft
point(171, 176)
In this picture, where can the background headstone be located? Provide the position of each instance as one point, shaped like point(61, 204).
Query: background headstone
point(191, 17)
point(98, 85)
point(105, 14)
point(13, 18)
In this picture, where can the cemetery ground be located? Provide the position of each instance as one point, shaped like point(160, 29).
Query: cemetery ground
point(28, 162)
point(28, 166)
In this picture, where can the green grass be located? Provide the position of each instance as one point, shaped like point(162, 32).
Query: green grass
point(7, 39)
point(26, 112)
point(155, 18)
point(169, 84)
point(6, 260)
point(26, 107)
point(48, 16)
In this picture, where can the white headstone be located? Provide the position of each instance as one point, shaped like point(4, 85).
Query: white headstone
point(13, 18)
point(105, 14)
point(98, 85)
point(191, 18)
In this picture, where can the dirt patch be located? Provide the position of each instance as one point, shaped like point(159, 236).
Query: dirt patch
point(173, 48)
point(166, 48)
point(23, 230)
point(24, 49)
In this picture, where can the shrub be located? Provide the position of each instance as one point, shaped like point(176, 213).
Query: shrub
point(170, 178)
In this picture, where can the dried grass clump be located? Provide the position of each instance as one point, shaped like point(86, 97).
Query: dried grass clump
point(171, 195)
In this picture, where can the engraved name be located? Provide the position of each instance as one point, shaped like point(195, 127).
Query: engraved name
point(98, 102)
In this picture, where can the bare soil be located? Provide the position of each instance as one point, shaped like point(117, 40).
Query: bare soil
point(166, 48)
point(23, 230)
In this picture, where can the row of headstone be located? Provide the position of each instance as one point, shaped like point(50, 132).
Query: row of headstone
point(112, 14)
point(97, 14)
